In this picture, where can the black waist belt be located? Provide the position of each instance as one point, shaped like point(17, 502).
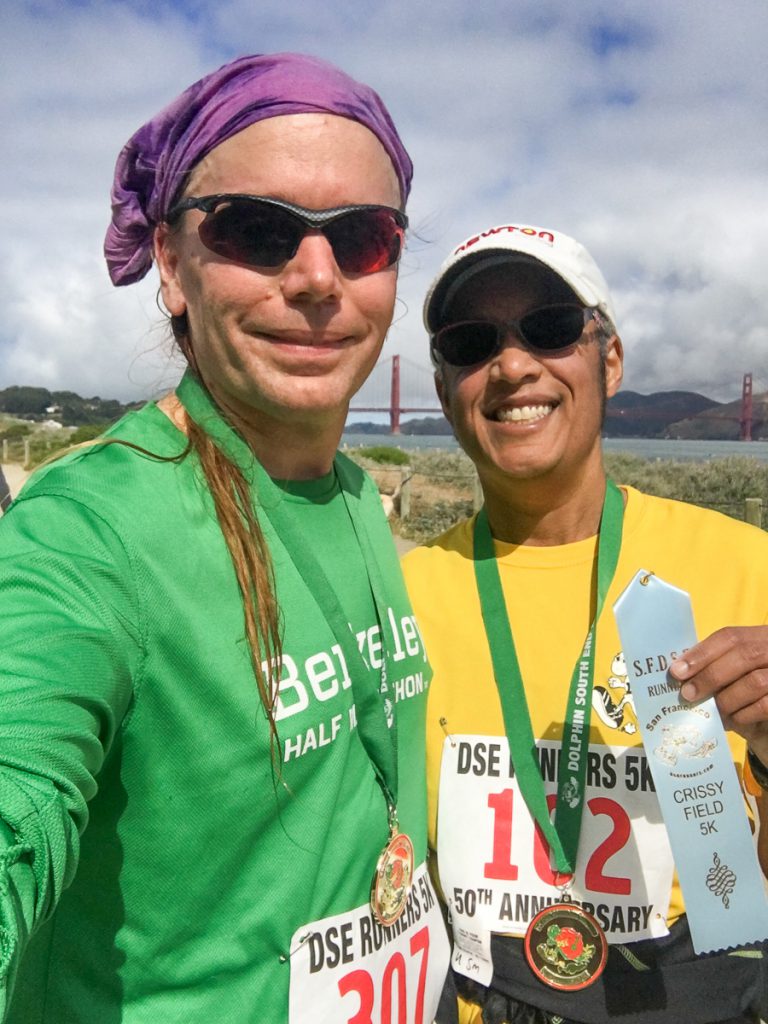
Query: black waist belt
point(656, 981)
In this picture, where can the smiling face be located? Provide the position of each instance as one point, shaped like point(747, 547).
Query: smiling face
point(292, 344)
point(522, 416)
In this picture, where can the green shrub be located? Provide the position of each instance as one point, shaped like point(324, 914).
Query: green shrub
point(428, 521)
point(13, 431)
point(382, 453)
point(442, 465)
point(721, 484)
point(43, 446)
point(88, 432)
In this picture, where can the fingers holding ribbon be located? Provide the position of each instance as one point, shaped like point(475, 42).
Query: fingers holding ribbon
point(731, 665)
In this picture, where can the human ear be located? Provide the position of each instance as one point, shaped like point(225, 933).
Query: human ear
point(613, 363)
point(167, 259)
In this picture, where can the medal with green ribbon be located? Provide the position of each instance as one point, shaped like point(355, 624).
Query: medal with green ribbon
point(562, 833)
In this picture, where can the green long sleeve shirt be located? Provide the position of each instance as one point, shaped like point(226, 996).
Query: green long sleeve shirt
point(155, 869)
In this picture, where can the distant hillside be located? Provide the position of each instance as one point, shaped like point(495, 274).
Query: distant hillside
point(431, 426)
point(630, 414)
point(724, 422)
point(366, 427)
point(436, 425)
point(676, 414)
point(64, 407)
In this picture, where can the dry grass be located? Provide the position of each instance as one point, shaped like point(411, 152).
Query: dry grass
point(442, 485)
point(439, 489)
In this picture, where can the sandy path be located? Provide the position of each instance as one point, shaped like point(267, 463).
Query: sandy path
point(402, 544)
point(15, 476)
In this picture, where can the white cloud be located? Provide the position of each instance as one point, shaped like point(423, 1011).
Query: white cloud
point(638, 128)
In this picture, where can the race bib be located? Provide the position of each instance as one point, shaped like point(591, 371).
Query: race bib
point(349, 969)
point(494, 862)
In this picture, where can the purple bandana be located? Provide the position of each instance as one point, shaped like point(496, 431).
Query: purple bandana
point(153, 165)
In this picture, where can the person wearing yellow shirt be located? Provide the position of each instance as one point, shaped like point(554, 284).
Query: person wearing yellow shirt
point(523, 338)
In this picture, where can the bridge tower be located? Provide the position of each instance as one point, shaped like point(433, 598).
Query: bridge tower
point(394, 397)
point(745, 423)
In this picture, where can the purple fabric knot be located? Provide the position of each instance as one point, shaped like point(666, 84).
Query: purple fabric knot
point(153, 165)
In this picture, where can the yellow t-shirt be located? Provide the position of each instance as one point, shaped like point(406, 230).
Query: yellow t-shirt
point(549, 593)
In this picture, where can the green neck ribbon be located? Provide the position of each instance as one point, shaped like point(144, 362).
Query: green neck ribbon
point(378, 737)
point(562, 834)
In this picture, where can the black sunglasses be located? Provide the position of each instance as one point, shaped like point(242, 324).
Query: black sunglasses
point(263, 232)
point(546, 329)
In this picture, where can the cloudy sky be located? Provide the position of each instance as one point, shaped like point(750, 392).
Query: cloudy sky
point(637, 126)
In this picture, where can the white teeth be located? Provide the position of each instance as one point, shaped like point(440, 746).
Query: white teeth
point(523, 413)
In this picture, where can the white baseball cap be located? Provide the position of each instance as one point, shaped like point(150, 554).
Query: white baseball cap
point(506, 243)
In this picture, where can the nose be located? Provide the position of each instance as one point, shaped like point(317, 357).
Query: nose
point(312, 275)
point(514, 361)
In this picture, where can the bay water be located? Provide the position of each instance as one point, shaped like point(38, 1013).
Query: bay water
point(644, 448)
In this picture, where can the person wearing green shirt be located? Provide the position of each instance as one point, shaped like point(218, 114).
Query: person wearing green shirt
point(212, 793)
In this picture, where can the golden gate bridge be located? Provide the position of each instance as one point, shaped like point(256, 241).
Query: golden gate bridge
point(398, 385)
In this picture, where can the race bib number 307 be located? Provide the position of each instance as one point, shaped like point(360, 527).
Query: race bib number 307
point(349, 969)
point(494, 862)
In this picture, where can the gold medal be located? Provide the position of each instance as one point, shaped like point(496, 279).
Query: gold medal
point(565, 947)
point(392, 881)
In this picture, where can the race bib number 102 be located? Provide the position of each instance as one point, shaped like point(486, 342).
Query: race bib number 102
point(349, 969)
point(494, 862)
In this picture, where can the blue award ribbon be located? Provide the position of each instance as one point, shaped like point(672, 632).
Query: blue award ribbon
point(692, 769)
